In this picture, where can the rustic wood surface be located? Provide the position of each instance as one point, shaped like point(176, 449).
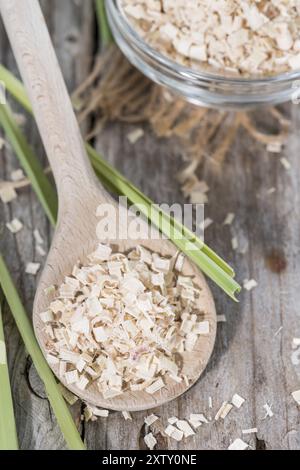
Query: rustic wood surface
point(253, 350)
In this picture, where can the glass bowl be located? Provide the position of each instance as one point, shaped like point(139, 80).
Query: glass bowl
point(200, 88)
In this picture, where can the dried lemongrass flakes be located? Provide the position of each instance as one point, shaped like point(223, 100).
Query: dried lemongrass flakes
point(235, 37)
point(120, 322)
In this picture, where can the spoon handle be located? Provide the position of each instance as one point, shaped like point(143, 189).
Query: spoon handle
point(50, 100)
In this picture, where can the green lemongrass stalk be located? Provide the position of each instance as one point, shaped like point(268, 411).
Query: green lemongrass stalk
point(29, 162)
point(56, 399)
point(8, 432)
point(175, 231)
point(213, 266)
point(104, 30)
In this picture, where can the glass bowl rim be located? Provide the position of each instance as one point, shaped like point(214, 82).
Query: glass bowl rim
point(113, 7)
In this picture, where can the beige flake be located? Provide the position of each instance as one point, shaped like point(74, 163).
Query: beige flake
point(149, 420)
point(229, 218)
point(17, 175)
point(37, 236)
point(135, 135)
point(269, 412)
point(244, 38)
point(7, 194)
point(221, 410)
point(68, 396)
point(2, 353)
point(185, 428)
point(32, 268)
point(285, 163)
point(296, 343)
point(227, 408)
point(150, 441)
point(172, 420)
point(238, 444)
point(237, 400)
point(296, 396)
point(14, 226)
point(221, 319)
point(155, 387)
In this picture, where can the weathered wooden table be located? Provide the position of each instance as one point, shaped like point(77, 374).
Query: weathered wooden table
point(253, 350)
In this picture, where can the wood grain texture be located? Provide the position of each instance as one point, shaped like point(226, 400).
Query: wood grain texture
point(248, 358)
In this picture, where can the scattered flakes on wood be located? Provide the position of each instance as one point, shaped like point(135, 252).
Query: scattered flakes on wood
point(174, 433)
point(68, 396)
point(185, 428)
point(237, 400)
point(32, 268)
point(49, 290)
point(155, 386)
point(172, 420)
point(3, 359)
point(100, 413)
point(234, 243)
point(127, 416)
point(271, 191)
point(135, 135)
point(295, 357)
point(296, 343)
point(210, 402)
point(226, 410)
point(14, 226)
point(249, 284)
point(269, 412)
point(250, 431)
point(88, 414)
point(246, 38)
point(205, 224)
point(7, 194)
point(285, 163)
point(221, 319)
point(37, 236)
point(154, 320)
point(149, 420)
point(221, 410)
point(40, 250)
point(20, 119)
point(17, 175)
point(150, 441)
point(296, 396)
point(229, 218)
point(275, 147)
point(238, 444)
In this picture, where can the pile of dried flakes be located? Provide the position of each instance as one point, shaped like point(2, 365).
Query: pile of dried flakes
point(246, 37)
point(121, 320)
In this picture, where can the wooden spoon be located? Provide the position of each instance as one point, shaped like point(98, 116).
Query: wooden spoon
point(79, 196)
